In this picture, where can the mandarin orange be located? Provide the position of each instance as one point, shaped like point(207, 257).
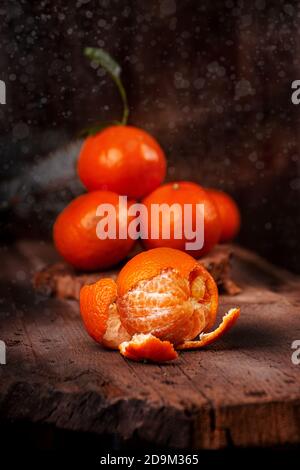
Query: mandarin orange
point(176, 196)
point(75, 234)
point(162, 298)
point(123, 159)
point(229, 214)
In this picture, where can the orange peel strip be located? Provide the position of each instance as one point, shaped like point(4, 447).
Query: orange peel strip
point(95, 300)
point(148, 347)
point(228, 321)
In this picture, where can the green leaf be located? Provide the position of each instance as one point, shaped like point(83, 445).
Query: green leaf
point(104, 59)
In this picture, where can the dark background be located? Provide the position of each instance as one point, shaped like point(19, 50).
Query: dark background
point(211, 80)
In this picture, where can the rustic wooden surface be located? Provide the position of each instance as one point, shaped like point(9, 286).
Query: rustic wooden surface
point(243, 391)
point(62, 281)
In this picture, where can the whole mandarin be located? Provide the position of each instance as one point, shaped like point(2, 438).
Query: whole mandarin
point(179, 194)
point(123, 159)
point(229, 214)
point(75, 236)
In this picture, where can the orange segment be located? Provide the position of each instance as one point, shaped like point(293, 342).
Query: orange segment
point(228, 321)
point(148, 347)
point(205, 290)
point(167, 293)
point(164, 307)
point(150, 263)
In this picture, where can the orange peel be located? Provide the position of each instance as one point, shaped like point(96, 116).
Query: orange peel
point(162, 299)
point(148, 347)
point(205, 339)
point(99, 313)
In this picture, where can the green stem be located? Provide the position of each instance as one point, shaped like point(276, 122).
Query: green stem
point(102, 58)
point(124, 100)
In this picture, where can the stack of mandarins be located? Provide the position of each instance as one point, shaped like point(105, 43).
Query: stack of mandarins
point(163, 298)
point(125, 160)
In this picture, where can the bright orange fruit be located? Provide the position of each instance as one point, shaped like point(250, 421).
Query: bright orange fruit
point(162, 297)
point(229, 214)
point(148, 264)
point(75, 234)
point(179, 194)
point(123, 159)
point(167, 293)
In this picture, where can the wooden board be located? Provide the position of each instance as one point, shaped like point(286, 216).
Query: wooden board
point(62, 281)
point(242, 391)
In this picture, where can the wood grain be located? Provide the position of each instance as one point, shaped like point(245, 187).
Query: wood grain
point(62, 281)
point(243, 391)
